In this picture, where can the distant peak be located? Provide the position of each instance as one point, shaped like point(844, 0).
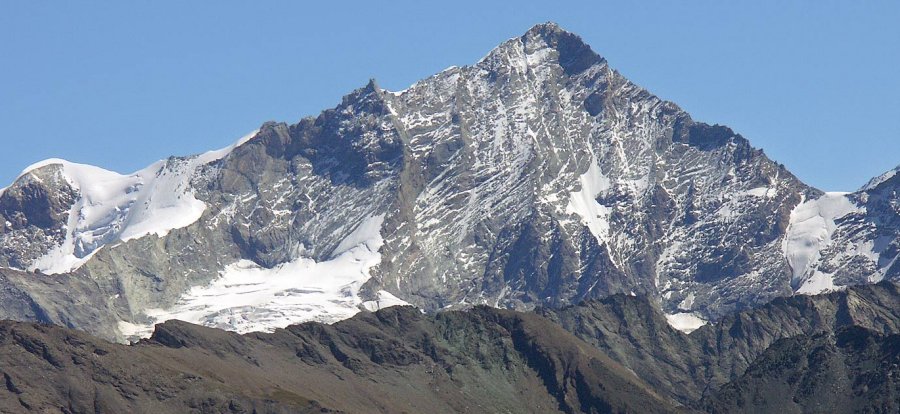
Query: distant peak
point(42, 164)
point(574, 55)
point(545, 28)
point(553, 35)
point(368, 96)
point(50, 164)
point(877, 181)
point(372, 86)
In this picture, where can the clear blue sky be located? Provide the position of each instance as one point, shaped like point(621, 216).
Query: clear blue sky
point(815, 84)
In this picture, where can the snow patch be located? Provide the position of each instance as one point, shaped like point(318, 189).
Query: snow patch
point(818, 282)
point(584, 202)
point(765, 192)
point(367, 233)
point(132, 330)
point(687, 303)
point(247, 297)
point(385, 300)
point(685, 322)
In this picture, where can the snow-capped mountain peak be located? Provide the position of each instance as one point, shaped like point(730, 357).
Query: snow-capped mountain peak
point(536, 176)
point(111, 207)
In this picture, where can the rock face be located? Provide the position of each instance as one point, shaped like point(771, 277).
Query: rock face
point(549, 178)
point(34, 213)
point(537, 177)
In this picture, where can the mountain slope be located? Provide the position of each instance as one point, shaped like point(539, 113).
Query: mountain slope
point(539, 176)
point(557, 179)
point(395, 360)
point(836, 351)
point(801, 374)
point(846, 239)
point(633, 332)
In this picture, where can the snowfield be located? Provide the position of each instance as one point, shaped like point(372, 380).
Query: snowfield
point(811, 228)
point(247, 297)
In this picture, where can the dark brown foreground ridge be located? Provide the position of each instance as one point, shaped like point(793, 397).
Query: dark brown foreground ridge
point(612, 355)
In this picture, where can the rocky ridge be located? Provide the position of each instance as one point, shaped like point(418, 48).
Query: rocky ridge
point(617, 354)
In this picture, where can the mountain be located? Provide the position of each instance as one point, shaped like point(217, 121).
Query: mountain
point(846, 239)
point(834, 352)
point(538, 176)
point(396, 360)
point(686, 368)
point(801, 374)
